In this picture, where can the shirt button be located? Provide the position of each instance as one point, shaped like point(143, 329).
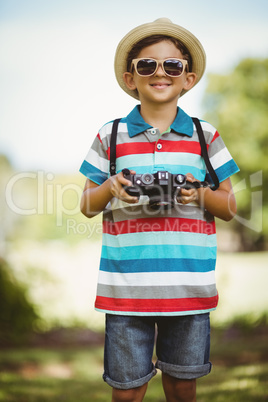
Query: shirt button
point(153, 131)
point(159, 146)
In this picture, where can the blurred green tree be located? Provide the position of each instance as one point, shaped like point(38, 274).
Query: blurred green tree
point(18, 316)
point(237, 105)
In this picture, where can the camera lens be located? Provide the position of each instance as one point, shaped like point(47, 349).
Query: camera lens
point(180, 179)
point(147, 179)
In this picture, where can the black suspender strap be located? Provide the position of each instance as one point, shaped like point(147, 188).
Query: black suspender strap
point(204, 153)
point(113, 147)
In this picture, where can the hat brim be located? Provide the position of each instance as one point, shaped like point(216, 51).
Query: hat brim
point(162, 26)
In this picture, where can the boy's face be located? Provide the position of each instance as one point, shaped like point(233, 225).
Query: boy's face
point(159, 87)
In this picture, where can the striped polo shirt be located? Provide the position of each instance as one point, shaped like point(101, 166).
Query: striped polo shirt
point(157, 262)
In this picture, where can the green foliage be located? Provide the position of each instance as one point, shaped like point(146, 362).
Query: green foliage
point(17, 314)
point(44, 206)
point(239, 372)
point(237, 105)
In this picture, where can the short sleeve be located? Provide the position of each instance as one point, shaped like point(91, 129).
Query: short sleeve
point(96, 163)
point(220, 158)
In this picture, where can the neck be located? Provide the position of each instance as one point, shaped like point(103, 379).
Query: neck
point(160, 116)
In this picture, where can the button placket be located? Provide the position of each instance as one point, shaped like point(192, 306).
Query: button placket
point(158, 155)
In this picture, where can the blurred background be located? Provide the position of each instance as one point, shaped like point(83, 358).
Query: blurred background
point(57, 88)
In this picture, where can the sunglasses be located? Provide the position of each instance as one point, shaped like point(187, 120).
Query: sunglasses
point(171, 67)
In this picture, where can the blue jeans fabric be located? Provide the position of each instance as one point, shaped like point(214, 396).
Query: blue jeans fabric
point(182, 348)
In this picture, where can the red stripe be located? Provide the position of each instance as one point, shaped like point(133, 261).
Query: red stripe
point(192, 147)
point(98, 135)
point(159, 225)
point(132, 148)
point(156, 305)
point(216, 135)
point(135, 148)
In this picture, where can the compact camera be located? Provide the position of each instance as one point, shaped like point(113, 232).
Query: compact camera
point(161, 187)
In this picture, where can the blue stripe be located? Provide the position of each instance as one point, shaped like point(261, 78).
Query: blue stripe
point(184, 158)
point(93, 173)
point(165, 251)
point(154, 313)
point(171, 158)
point(178, 169)
point(227, 170)
point(146, 162)
point(198, 174)
point(157, 265)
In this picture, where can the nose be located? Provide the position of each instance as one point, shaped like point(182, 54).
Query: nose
point(159, 71)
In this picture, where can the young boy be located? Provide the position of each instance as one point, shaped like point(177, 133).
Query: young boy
point(157, 265)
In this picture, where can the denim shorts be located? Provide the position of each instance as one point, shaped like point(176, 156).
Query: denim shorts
point(182, 348)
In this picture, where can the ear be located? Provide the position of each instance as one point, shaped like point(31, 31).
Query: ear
point(190, 81)
point(129, 81)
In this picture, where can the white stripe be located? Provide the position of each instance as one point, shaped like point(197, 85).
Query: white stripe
point(208, 127)
point(144, 200)
point(96, 160)
point(181, 159)
point(122, 128)
point(148, 238)
point(220, 158)
point(157, 279)
point(107, 129)
point(119, 204)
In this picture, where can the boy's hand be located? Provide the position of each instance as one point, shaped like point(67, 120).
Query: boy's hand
point(186, 196)
point(116, 188)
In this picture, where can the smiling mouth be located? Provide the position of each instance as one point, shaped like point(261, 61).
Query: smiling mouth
point(160, 85)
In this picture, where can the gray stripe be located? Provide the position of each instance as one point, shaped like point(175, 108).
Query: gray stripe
point(156, 292)
point(207, 134)
point(97, 146)
point(216, 146)
point(107, 216)
point(123, 138)
point(144, 211)
point(172, 136)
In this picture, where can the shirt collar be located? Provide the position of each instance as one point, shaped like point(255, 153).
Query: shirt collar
point(182, 124)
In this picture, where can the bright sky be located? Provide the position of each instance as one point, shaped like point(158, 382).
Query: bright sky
point(57, 84)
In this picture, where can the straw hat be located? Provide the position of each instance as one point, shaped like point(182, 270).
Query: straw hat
point(162, 26)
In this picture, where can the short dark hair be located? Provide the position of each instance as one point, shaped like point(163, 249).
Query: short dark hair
point(151, 40)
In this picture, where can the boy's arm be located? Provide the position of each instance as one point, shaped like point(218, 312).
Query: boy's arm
point(220, 203)
point(95, 197)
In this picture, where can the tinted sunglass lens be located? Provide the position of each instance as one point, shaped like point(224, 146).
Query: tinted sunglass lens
point(173, 67)
point(146, 67)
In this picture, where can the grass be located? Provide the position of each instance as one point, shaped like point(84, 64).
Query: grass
point(72, 374)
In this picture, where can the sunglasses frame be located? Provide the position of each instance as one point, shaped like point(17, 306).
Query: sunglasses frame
point(159, 62)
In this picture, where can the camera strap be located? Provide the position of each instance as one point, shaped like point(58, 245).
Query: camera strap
point(204, 152)
point(113, 147)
